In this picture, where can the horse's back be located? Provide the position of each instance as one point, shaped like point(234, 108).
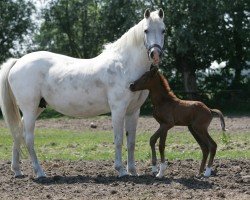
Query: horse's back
point(68, 85)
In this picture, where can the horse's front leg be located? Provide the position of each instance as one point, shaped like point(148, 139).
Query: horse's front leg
point(130, 126)
point(118, 116)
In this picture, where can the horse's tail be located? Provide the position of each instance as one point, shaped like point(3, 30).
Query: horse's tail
point(8, 103)
point(219, 113)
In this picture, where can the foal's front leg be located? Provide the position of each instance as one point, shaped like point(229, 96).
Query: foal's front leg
point(153, 140)
point(162, 145)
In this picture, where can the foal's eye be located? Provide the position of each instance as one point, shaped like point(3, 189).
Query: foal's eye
point(163, 31)
point(146, 31)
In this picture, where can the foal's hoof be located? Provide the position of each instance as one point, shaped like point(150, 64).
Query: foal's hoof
point(159, 175)
point(154, 170)
point(208, 172)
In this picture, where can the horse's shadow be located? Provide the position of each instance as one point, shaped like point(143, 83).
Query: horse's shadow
point(191, 183)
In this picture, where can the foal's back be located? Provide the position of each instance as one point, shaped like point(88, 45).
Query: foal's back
point(168, 107)
point(189, 112)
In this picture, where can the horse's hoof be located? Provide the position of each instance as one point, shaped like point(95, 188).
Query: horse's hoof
point(19, 176)
point(41, 176)
point(123, 174)
point(134, 174)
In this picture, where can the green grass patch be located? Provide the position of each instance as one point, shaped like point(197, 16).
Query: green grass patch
point(72, 145)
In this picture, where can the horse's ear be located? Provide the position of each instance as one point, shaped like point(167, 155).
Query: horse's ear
point(161, 13)
point(147, 13)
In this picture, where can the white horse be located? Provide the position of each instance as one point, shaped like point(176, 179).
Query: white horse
point(82, 88)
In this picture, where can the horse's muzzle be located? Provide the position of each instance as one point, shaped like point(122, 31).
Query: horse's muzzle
point(155, 52)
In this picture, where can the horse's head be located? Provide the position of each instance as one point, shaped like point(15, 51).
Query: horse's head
point(154, 29)
point(146, 81)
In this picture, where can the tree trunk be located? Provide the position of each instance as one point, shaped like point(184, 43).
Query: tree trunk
point(189, 81)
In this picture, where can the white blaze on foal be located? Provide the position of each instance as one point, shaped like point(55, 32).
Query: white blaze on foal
point(82, 88)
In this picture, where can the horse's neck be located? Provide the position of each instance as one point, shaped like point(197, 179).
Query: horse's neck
point(131, 52)
point(161, 93)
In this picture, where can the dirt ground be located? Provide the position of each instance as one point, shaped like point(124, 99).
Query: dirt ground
point(98, 179)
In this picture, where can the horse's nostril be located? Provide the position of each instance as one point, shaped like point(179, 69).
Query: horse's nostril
point(152, 54)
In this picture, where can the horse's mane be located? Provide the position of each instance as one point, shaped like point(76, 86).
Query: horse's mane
point(166, 86)
point(133, 37)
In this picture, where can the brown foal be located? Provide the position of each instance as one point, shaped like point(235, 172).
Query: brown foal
point(169, 111)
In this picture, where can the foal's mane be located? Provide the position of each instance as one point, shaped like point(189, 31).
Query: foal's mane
point(165, 84)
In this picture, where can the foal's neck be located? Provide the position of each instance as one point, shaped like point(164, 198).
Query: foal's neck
point(161, 92)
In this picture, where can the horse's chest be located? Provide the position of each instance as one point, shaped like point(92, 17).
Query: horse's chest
point(137, 100)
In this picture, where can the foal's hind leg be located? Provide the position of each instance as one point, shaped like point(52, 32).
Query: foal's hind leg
point(212, 149)
point(203, 146)
point(29, 118)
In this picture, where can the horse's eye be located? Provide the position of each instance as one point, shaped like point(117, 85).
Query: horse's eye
point(146, 31)
point(163, 31)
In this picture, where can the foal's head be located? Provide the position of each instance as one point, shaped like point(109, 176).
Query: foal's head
point(146, 81)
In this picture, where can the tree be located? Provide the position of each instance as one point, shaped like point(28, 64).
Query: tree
point(15, 23)
point(71, 28)
point(236, 37)
point(80, 28)
point(191, 38)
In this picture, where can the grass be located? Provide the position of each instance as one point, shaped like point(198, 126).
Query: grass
point(72, 145)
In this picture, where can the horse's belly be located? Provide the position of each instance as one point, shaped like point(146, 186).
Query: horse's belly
point(85, 109)
point(79, 104)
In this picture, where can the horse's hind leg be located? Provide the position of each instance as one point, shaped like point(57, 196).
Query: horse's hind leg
point(29, 118)
point(212, 149)
point(15, 164)
point(203, 146)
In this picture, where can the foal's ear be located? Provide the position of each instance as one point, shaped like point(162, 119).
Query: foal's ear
point(161, 13)
point(147, 13)
point(153, 71)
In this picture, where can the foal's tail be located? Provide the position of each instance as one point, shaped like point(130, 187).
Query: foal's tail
point(8, 103)
point(219, 113)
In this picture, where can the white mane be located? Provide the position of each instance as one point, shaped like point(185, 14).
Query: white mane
point(133, 37)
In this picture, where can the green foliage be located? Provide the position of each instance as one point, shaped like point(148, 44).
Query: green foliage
point(71, 28)
point(198, 32)
point(15, 22)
